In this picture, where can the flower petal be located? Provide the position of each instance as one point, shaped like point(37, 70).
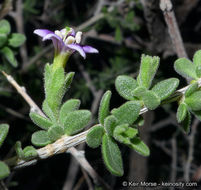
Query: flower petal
point(42, 32)
point(89, 49)
point(77, 48)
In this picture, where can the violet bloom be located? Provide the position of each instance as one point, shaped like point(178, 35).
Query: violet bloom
point(65, 42)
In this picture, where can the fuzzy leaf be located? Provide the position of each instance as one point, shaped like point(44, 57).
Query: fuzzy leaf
point(94, 136)
point(123, 133)
point(3, 132)
point(186, 123)
point(56, 90)
point(42, 122)
point(18, 150)
point(76, 121)
point(139, 146)
point(109, 124)
point(47, 78)
point(29, 152)
point(165, 88)
point(151, 100)
point(197, 58)
point(55, 132)
point(191, 89)
point(194, 101)
point(112, 156)
point(148, 68)
point(185, 68)
point(40, 138)
point(9, 56)
point(128, 112)
point(3, 39)
point(68, 79)
point(181, 112)
point(139, 92)
point(104, 107)
point(68, 106)
point(118, 34)
point(4, 170)
point(4, 27)
point(46, 108)
point(198, 71)
point(125, 85)
point(16, 40)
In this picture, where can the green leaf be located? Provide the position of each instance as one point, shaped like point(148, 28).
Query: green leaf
point(123, 133)
point(112, 156)
point(40, 138)
point(118, 34)
point(4, 27)
point(125, 86)
point(18, 150)
point(151, 100)
point(55, 132)
point(109, 124)
point(4, 170)
point(16, 40)
point(139, 146)
point(165, 88)
point(181, 112)
point(191, 89)
point(42, 122)
point(47, 78)
point(3, 39)
point(76, 121)
point(9, 56)
point(56, 90)
point(148, 68)
point(94, 136)
point(197, 58)
point(69, 78)
point(104, 107)
point(198, 71)
point(128, 112)
point(194, 101)
point(68, 106)
point(185, 68)
point(46, 108)
point(3, 132)
point(29, 152)
point(139, 91)
point(186, 123)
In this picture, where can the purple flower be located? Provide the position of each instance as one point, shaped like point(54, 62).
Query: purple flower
point(66, 41)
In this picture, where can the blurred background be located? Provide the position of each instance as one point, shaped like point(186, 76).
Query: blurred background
point(121, 30)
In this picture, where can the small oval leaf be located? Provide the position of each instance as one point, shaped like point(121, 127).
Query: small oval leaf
point(55, 132)
point(40, 138)
point(68, 106)
point(94, 136)
point(165, 88)
point(4, 170)
point(139, 146)
point(181, 112)
point(112, 156)
point(185, 68)
point(151, 100)
point(3, 132)
point(41, 121)
point(16, 40)
point(125, 85)
point(76, 121)
point(197, 58)
point(4, 27)
point(29, 152)
point(104, 107)
point(128, 112)
point(186, 123)
point(109, 124)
